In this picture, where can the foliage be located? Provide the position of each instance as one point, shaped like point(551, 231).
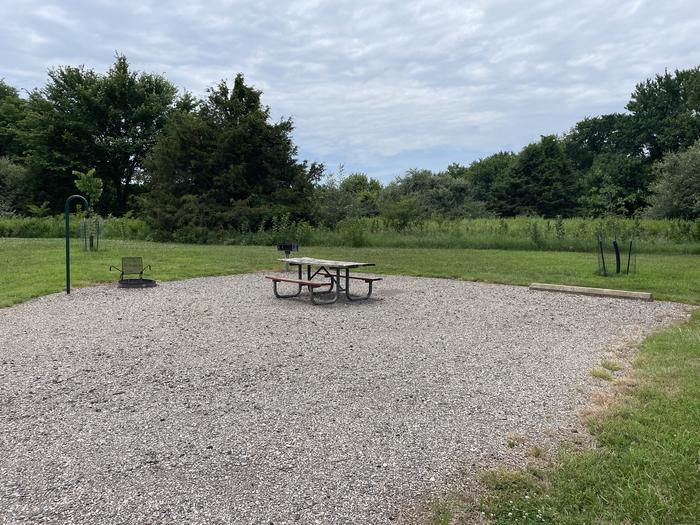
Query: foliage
point(87, 183)
point(41, 226)
point(13, 186)
point(421, 195)
point(84, 118)
point(615, 184)
point(338, 197)
point(224, 165)
point(666, 112)
point(402, 213)
point(11, 109)
point(606, 134)
point(38, 210)
point(519, 233)
point(676, 192)
point(539, 182)
point(483, 173)
point(200, 169)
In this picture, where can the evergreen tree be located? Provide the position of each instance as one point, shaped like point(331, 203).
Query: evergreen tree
point(223, 164)
point(539, 182)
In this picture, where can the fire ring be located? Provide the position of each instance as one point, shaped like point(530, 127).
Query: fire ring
point(136, 283)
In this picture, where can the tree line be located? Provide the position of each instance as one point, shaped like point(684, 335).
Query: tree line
point(221, 163)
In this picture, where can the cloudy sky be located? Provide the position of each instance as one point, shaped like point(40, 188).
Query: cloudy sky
point(380, 86)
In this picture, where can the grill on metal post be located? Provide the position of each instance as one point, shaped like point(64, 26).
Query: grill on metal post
point(287, 248)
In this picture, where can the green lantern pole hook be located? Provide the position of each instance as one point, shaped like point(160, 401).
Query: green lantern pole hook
point(68, 201)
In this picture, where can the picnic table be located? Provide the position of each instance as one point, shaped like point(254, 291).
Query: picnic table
point(336, 275)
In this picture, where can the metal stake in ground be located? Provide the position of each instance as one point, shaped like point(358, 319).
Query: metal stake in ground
point(617, 256)
point(601, 257)
point(68, 201)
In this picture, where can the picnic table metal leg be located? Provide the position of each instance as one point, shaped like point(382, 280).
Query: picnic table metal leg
point(315, 297)
point(323, 272)
point(331, 285)
point(284, 296)
point(357, 297)
point(287, 296)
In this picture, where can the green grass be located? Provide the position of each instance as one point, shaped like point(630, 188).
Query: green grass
point(34, 267)
point(647, 467)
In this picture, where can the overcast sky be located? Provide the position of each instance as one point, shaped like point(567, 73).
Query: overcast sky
point(380, 86)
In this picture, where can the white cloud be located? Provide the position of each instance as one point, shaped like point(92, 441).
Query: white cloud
point(378, 84)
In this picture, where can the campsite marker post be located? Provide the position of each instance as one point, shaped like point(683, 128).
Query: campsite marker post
point(67, 213)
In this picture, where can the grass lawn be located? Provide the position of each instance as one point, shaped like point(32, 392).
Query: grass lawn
point(34, 267)
point(647, 466)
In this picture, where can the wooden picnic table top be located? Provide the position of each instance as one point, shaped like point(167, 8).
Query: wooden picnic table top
point(310, 261)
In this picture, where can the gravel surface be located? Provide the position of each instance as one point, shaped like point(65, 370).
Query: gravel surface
point(210, 401)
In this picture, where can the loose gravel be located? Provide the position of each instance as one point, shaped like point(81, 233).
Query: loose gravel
point(211, 401)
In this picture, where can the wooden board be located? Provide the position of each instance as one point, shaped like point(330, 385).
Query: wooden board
point(600, 292)
point(310, 261)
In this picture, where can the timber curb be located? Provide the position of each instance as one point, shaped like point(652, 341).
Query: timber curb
point(599, 292)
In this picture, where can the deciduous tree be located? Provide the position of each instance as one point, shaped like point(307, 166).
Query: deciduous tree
point(666, 112)
point(676, 191)
point(84, 118)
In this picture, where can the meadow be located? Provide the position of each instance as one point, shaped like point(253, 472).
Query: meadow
point(518, 233)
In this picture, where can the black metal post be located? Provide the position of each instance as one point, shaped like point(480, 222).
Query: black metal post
point(602, 256)
point(629, 257)
point(617, 256)
point(67, 214)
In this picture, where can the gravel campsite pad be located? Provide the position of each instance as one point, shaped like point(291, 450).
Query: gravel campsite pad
point(210, 401)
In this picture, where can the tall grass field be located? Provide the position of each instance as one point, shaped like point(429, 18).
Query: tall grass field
point(520, 233)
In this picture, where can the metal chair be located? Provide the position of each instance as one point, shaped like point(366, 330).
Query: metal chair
point(131, 266)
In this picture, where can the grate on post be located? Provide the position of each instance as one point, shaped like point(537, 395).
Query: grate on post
point(287, 248)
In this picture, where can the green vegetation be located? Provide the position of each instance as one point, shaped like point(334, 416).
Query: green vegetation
point(602, 373)
point(611, 365)
point(223, 165)
point(536, 451)
point(123, 228)
point(218, 169)
point(84, 119)
point(578, 234)
point(677, 184)
point(645, 469)
point(33, 267)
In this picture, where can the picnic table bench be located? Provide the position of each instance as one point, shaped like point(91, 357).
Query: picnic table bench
point(338, 273)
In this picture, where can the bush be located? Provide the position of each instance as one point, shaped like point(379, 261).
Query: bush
point(519, 233)
point(676, 192)
point(54, 226)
